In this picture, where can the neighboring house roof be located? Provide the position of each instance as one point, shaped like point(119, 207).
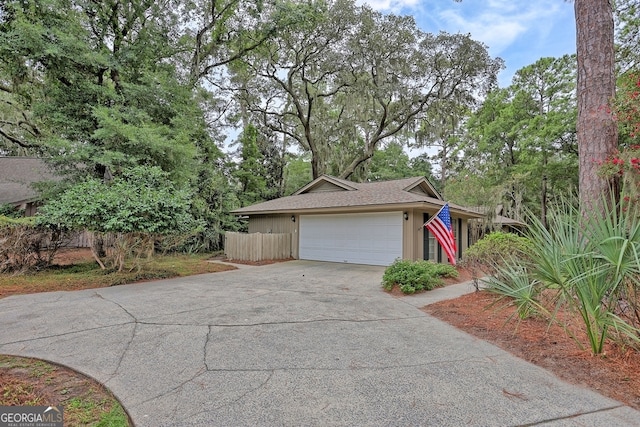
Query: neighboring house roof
point(500, 219)
point(328, 193)
point(17, 176)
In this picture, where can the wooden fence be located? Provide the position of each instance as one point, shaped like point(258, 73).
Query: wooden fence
point(81, 239)
point(257, 246)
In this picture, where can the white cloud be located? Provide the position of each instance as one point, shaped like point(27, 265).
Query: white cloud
point(394, 6)
point(503, 5)
point(519, 31)
point(497, 23)
point(496, 31)
point(500, 23)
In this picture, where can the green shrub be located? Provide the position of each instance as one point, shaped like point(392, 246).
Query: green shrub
point(126, 217)
point(413, 276)
point(589, 264)
point(6, 220)
point(8, 210)
point(494, 249)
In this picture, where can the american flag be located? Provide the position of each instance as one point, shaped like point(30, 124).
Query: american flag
point(440, 226)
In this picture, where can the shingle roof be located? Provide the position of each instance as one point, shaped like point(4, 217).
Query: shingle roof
point(17, 174)
point(499, 219)
point(376, 195)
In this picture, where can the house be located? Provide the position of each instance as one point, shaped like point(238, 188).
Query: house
point(332, 219)
point(17, 176)
point(493, 220)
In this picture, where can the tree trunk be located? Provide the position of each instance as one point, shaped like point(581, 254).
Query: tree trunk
point(544, 190)
point(596, 129)
point(358, 160)
point(316, 165)
point(543, 202)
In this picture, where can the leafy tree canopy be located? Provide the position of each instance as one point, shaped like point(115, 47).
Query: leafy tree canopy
point(142, 200)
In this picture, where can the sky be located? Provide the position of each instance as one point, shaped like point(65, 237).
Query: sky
point(518, 31)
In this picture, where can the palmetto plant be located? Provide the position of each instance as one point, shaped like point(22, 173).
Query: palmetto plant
point(593, 262)
point(513, 281)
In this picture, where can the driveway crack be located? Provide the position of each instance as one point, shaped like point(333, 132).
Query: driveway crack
point(242, 396)
point(206, 344)
point(99, 295)
point(64, 334)
point(568, 417)
point(175, 388)
point(124, 352)
point(328, 319)
point(248, 392)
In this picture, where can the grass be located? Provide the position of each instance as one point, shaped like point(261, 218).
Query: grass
point(87, 410)
point(87, 274)
point(32, 382)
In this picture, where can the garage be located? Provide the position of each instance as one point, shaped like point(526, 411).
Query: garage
point(332, 219)
point(365, 238)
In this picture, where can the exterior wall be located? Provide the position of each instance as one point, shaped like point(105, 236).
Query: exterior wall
point(420, 192)
point(413, 235)
point(411, 238)
point(412, 232)
point(28, 208)
point(465, 234)
point(277, 224)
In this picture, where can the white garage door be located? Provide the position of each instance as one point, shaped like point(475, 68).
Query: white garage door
point(371, 238)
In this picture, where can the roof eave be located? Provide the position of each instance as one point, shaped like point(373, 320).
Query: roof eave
point(422, 205)
point(326, 178)
point(423, 181)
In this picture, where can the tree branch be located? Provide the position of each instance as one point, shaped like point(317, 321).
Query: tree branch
point(15, 140)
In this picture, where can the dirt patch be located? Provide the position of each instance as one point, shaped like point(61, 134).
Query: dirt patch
point(256, 263)
point(32, 382)
point(75, 255)
point(69, 256)
point(615, 373)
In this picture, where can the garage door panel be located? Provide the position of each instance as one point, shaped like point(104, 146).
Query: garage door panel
point(353, 238)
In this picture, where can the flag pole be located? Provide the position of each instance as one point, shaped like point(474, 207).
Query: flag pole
point(434, 216)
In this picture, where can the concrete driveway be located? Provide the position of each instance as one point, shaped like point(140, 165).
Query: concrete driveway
point(296, 343)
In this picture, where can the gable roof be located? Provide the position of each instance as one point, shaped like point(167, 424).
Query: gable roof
point(327, 193)
point(500, 219)
point(337, 183)
point(17, 176)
